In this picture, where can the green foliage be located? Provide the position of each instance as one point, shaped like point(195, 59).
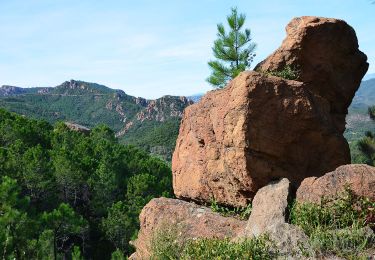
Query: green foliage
point(90, 104)
point(337, 225)
point(233, 50)
point(350, 243)
point(258, 249)
point(62, 189)
point(117, 255)
point(44, 245)
point(286, 73)
point(240, 212)
point(159, 138)
point(169, 242)
point(14, 224)
point(118, 227)
point(366, 145)
point(371, 112)
point(64, 223)
point(76, 254)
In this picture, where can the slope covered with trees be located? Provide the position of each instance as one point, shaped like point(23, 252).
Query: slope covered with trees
point(67, 193)
point(89, 104)
point(358, 121)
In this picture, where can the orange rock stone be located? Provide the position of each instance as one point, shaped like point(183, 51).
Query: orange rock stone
point(196, 222)
point(261, 128)
point(360, 178)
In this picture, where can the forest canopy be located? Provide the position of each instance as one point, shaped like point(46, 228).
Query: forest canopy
point(67, 193)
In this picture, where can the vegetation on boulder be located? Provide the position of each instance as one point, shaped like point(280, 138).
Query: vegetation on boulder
point(287, 73)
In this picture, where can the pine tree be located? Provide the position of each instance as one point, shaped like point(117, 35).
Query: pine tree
point(366, 145)
point(234, 50)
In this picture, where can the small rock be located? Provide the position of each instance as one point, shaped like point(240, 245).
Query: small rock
point(268, 216)
point(289, 239)
point(77, 128)
point(268, 208)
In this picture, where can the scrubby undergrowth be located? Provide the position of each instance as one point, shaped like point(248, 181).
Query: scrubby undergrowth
point(169, 243)
point(242, 213)
point(338, 226)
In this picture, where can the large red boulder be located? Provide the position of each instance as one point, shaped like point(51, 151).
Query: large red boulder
point(261, 128)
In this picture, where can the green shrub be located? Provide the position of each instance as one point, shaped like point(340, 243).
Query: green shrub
point(337, 225)
point(345, 210)
point(347, 242)
point(258, 248)
point(117, 255)
point(169, 242)
point(286, 73)
point(240, 212)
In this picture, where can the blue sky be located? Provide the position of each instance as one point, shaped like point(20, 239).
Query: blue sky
point(146, 48)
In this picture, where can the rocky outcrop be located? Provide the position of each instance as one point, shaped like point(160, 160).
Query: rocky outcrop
point(261, 128)
point(197, 222)
point(359, 178)
point(77, 128)
point(6, 91)
point(163, 108)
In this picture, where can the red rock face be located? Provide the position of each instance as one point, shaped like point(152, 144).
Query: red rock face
point(261, 128)
point(325, 52)
point(359, 177)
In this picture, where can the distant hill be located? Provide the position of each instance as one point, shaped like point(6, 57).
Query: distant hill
point(149, 124)
point(365, 96)
point(357, 120)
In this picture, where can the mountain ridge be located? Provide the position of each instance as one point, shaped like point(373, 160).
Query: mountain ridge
point(90, 104)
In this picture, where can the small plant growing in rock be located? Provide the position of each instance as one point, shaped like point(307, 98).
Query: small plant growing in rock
point(286, 73)
point(240, 212)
